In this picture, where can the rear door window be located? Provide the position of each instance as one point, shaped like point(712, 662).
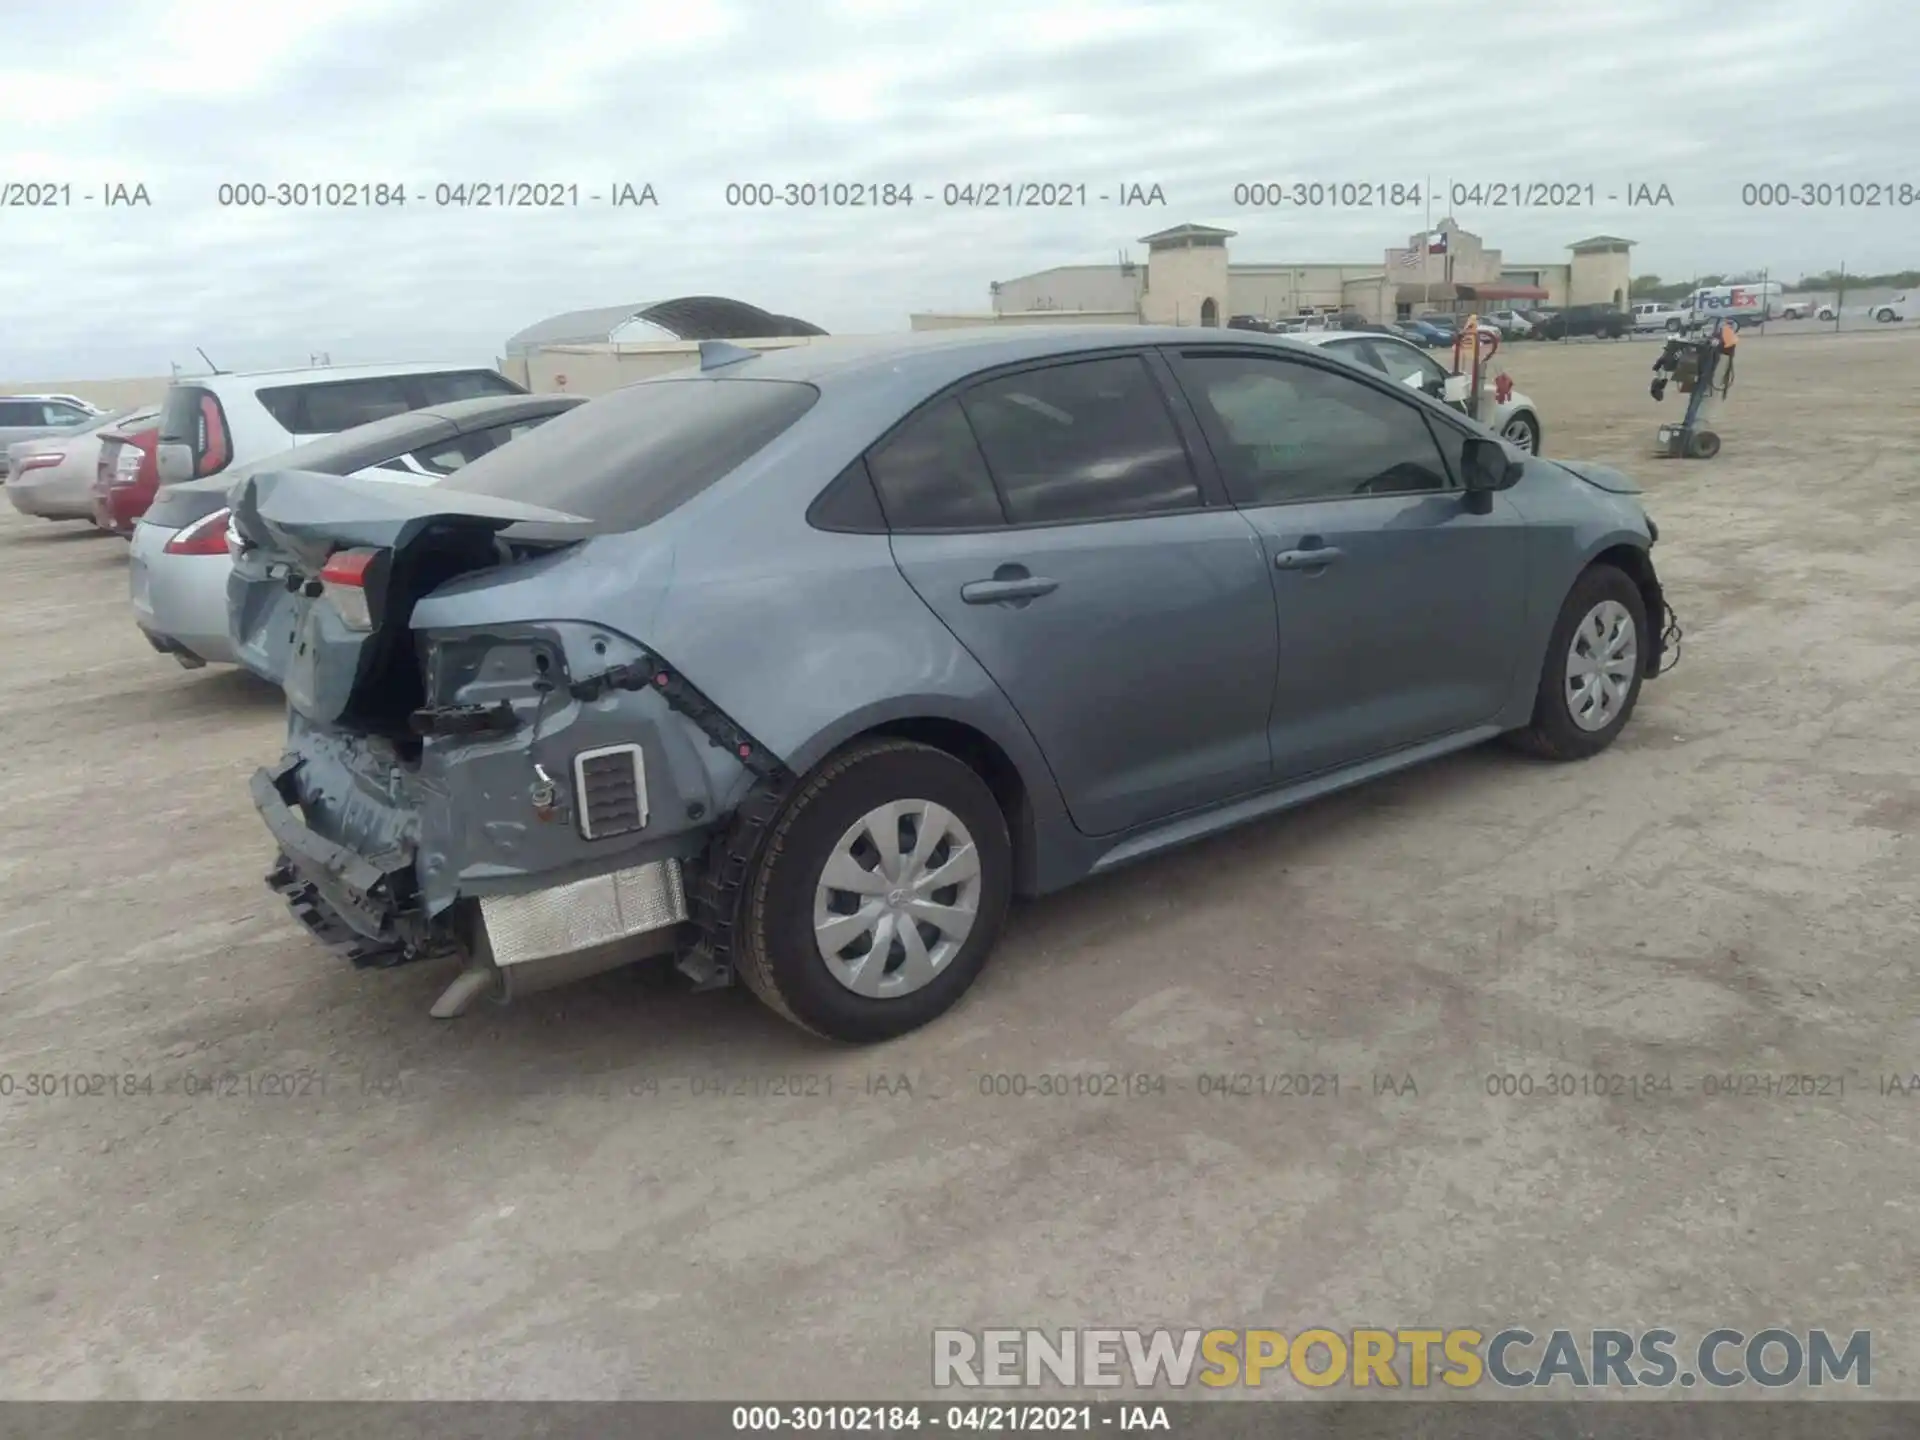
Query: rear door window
point(1091, 440)
point(19, 413)
point(641, 452)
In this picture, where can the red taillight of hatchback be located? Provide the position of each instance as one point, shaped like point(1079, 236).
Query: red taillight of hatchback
point(127, 479)
point(206, 536)
point(344, 579)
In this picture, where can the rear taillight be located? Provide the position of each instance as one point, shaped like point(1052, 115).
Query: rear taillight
point(213, 451)
point(343, 580)
point(206, 536)
point(126, 467)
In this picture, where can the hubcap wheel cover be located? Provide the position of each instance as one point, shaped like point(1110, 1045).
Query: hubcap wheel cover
point(1602, 661)
point(1520, 433)
point(897, 898)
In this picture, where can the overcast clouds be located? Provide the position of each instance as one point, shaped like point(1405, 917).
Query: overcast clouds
point(1192, 95)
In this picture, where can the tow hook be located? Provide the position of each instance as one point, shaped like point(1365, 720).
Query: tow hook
point(544, 794)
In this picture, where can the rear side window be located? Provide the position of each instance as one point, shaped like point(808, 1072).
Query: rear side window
point(463, 450)
point(1092, 440)
point(192, 415)
point(931, 476)
point(641, 452)
point(463, 385)
point(328, 407)
point(337, 405)
point(19, 412)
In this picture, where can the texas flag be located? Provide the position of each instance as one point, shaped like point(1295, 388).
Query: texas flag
point(1437, 243)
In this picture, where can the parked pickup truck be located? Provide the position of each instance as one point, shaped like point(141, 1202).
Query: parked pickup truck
point(1658, 315)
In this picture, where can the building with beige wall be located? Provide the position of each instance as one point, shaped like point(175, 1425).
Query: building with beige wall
point(1188, 278)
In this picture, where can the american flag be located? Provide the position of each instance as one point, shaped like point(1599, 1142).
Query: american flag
point(1412, 258)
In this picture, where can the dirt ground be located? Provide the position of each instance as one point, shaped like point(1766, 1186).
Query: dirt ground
point(301, 1186)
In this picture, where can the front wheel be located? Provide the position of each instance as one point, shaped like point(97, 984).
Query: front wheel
point(1590, 679)
point(1523, 430)
point(877, 894)
point(1885, 317)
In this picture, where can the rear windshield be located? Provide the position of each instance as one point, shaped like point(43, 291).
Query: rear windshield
point(328, 407)
point(632, 456)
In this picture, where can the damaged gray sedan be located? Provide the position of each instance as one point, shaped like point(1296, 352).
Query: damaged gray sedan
point(799, 667)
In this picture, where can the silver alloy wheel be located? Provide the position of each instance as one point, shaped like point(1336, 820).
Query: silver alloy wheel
point(1601, 663)
point(1519, 431)
point(897, 898)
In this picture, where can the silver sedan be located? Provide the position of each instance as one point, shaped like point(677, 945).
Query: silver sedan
point(52, 476)
point(178, 568)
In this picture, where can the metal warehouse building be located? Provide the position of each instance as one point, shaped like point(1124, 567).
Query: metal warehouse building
point(593, 351)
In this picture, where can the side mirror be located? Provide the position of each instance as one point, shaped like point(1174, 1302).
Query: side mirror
point(1486, 467)
point(174, 461)
point(1456, 388)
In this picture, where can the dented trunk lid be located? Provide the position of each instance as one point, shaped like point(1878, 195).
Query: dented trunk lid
point(288, 524)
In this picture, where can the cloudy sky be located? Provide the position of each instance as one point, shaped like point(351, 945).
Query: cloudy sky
point(1194, 96)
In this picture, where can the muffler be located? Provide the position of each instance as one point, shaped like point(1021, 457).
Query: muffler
point(523, 944)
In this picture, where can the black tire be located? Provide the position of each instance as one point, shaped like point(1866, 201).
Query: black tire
point(1885, 317)
point(775, 954)
point(1532, 424)
point(1706, 445)
point(1552, 733)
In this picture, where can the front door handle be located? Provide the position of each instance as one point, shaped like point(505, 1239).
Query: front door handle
point(1313, 559)
point(994, 592)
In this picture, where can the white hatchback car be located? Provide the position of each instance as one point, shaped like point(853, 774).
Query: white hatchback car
point(208, 422)
point(1515, 419)
point(179, 562)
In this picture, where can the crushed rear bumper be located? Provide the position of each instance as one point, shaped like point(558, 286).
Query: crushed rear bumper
point(364, 908)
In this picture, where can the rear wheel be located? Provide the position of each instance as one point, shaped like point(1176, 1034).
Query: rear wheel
point(879, 892)
point(1884, 316)
point(1590, 680)
point(1705, 445)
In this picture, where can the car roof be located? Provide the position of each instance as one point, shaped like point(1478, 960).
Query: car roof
point(936, 358)
point(395, 435)
point(312, 375)
point(1322, 337)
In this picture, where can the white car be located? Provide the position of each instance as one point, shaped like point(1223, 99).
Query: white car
point(1515, 419)
point(209, 422)
point(179, 563)
point(52, 477)
point(1887, 311)
point(1652, 316)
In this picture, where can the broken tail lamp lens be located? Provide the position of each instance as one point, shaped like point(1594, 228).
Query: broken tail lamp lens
point(343, 580)
point(205, 536)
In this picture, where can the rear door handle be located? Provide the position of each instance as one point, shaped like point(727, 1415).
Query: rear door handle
point(1307, 559)
point(993, 592)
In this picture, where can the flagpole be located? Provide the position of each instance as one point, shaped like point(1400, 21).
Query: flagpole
point(1426, 260)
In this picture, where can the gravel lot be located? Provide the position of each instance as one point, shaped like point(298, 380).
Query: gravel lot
point(595, 1193)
